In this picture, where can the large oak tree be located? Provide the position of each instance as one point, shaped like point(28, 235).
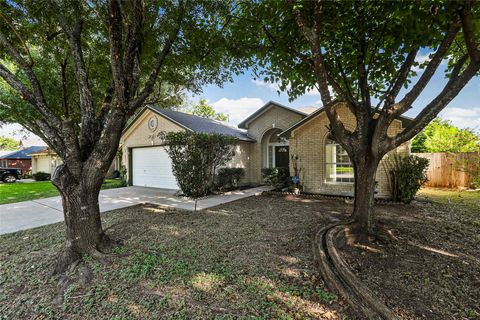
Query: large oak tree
point(75, 71)
point(362, 53)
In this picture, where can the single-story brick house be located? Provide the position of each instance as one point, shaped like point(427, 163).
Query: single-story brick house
point(19, 159)
point(267, 138)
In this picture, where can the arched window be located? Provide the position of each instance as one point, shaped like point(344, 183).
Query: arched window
point(339, 168)
point(275, 150)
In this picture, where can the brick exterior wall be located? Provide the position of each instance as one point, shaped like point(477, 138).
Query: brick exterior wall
point(24, 164)
point(274, 117)
point(308, 142)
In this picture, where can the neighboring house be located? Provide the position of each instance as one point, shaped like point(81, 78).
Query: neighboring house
point(19, 159)
point(45, 160)
point(266, 139)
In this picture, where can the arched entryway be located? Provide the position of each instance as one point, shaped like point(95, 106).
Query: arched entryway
point(275, 150)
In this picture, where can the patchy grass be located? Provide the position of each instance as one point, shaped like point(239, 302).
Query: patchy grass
point(249, 259)
point(432, 271)
point(16, 192)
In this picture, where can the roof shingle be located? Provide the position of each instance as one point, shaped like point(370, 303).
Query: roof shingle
point(199, 124)
point(24, 153)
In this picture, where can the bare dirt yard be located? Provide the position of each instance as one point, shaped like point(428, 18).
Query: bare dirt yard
point(433, 270)
point(250, 259)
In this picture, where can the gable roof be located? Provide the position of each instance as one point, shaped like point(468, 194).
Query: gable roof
point(44, 151)
point(263, 109)
point(195, 123)
point(404, 119)
point(24, 153)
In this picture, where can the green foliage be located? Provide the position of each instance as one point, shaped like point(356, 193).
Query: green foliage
point(7, 143)
point(472, 167)
point(407, 174)
point(198, 57)
point(123, 176)
point(142, 265)
point(380, 32)
point(228, 178)
point(41, 176)
point(442, 136)
point(202, 109)
point(277, 177)
point(195, 158)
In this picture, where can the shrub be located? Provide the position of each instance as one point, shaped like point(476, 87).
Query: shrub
point(277, 177)
point(123, 176)
point(41, 176)
point(27, 175)
point(472, 167)
point(229, 177)
point(195, 158)
point(407, 174)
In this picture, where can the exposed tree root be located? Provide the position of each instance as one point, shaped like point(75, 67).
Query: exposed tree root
point(70, 258)
point(338, 276)
point(66, 260)
point(107, 243)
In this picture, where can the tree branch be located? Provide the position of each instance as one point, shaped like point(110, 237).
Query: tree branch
point(131, 60)
point(404, 104)
point(26, 94)
point(449, 92)
point(147, 90)
point(469, 31)
point(402, 76)
point(26, 67)
point(313, 37)
point(80, 70)
point(115, 33)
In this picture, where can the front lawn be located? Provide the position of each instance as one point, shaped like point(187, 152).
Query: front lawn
point(16, 192)
point(251, 259)
point(433, 270)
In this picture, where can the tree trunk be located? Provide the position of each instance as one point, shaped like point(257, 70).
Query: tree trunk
point(365, 169)
point(84, 232)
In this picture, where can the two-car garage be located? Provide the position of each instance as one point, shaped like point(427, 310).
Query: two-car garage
point(152, 167)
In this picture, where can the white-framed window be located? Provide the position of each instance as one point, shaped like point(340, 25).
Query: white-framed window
point(339, 168)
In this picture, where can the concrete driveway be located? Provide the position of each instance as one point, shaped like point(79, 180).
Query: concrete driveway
point(35, 213)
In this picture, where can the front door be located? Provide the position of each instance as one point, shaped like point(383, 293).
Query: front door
point(281, 156)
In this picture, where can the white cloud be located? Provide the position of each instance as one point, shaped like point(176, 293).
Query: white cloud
point(269, 85)
point(238, 109)
point(276, 87)
point(463, 117)
point(424, 58)
point(16, 131)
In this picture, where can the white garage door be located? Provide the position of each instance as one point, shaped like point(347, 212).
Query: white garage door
point(152, 167)
point(44, 165)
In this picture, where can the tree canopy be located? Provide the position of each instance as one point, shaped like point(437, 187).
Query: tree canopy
point(443, 136)
point(7, 143)
point(73, 72)
point(361, 54)
point(202, 109)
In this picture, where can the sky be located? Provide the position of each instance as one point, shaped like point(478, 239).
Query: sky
point(243, 96)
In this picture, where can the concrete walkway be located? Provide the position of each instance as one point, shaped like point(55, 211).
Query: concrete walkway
point(35, 213)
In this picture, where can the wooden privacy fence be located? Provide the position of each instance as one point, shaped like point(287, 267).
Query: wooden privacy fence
point(444, 170)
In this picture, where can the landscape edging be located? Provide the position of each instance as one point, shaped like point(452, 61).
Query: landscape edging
point(340, 279)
